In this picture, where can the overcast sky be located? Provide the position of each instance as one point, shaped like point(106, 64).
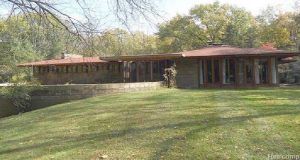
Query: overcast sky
point(170, 8)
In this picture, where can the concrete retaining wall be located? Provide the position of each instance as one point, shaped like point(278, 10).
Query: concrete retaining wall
point(49, 95)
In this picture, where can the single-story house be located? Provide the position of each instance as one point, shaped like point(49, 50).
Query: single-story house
point(214, 66)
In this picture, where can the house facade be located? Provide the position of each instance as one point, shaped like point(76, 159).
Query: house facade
point(217, 66)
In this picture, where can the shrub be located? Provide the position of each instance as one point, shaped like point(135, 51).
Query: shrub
point(170, 76)
point(18, 92)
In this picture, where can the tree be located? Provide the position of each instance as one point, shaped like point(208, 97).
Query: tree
point(179, 34)
point(279, 29)
point(241, 29)
point(116, 42)
point(213, 18)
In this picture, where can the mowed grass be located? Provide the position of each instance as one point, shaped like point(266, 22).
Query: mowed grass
point(161, 124)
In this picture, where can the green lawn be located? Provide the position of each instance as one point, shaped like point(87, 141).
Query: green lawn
point(162, 124)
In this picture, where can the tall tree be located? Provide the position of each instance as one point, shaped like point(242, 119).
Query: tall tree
point(213, 18)
point(179, 34)
point(241, 29)
point(121, 42)
point(277, 28)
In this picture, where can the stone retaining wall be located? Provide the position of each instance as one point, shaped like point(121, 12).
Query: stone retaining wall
point(48, 95)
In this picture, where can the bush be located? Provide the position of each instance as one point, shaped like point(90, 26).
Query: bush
point(18, 92)
point(170, 76)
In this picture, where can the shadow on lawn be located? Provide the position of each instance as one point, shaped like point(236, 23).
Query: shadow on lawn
point(167, 144)
point(72, 142)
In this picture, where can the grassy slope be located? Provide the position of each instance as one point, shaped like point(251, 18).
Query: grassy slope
point(165, 124)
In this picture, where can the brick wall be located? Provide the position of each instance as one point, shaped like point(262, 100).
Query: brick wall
point(187, 73)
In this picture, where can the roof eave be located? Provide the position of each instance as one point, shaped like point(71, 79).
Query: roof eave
point(142, 57)
point(62, 64)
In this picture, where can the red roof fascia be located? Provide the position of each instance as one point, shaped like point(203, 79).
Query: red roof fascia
point(232, 51)
point(67, 61)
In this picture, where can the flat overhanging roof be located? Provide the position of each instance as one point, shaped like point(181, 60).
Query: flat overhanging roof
point(62, 62)
point(220, 51)
point(147, 57)
point(237, 52)
point(208, 52)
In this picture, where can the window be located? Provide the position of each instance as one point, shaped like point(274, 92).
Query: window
point(263, 71)
point(229, 71)
point(155, 67)
point(113, 67)
point(45, 69)
point(209, 71)
point(65, 69)
point(87, 68)
point(216, 71)
point(213, 71)
point(148, 68)
point(119, 67)
point(52, 68)
point(249, 71)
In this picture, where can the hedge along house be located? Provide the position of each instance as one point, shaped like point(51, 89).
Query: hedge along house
point(220, 66)
point(216, 66)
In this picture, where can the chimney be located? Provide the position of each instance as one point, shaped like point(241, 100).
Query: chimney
point(63, 55)
point(268, 45)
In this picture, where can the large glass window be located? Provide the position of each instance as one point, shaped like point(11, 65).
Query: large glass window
point(229, 71)
point(209, 71)
point(216, 71)
point(213, 71)
point(249, 71)
point(263, 71)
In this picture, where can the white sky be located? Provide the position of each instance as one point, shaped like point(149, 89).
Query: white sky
point(170, 8)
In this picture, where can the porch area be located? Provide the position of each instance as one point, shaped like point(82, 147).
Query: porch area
point(227, 72)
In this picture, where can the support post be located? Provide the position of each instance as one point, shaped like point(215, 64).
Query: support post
point(274, 70)
point(201, 72)
point(223, 72)
point(256, 71)
point(269, 71)
point(124, 71)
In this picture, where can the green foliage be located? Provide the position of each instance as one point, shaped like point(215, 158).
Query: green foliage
point(179, 34)
point(279, 30)
point(120, 42)
point(241, 28)
point(24, 40)
point(170, 76)
point(214, 18)
point(217, 23)
point(18, 92)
